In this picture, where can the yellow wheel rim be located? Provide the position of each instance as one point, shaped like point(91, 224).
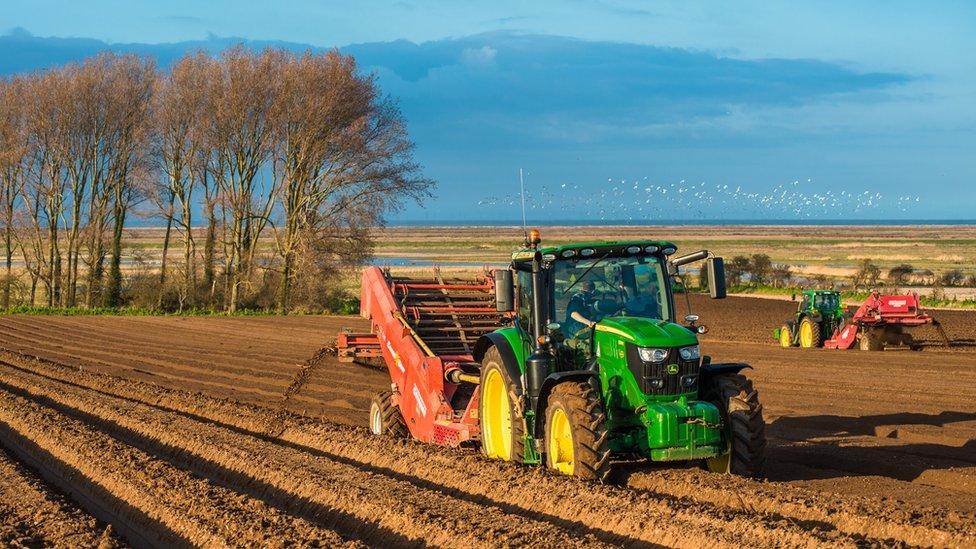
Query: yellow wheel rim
point(496, 417)
point(806, 334)
point(719, 464)
point(784, 338)
point(561, 457)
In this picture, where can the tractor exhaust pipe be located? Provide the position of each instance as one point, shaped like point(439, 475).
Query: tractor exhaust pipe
point(538, 364)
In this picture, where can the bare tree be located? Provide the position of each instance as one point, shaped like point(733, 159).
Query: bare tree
point(239, 136)
point(181, 102)
point(867, 275)
point(341, 160)
point(781, 275)
point(129, 156)
point(13, 150)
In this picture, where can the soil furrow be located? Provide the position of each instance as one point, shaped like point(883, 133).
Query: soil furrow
point(378, 508)
point(154, 502)
point(34, 514)
point(173, 370)
point(539, 494)
point(859, 516)
point(246, 363)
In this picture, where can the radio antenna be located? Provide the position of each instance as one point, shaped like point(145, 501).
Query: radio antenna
point(525, 230)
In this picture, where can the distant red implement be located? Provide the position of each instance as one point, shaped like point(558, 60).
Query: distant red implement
point(881, 321)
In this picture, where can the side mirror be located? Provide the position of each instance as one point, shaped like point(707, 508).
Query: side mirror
point(554, 329)
point(504, 291)
point(716, 277)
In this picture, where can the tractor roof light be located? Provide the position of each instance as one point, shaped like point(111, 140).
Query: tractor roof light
point(651, 249)
point(633, 250)
point(568, 253)
point(668, 250)
point(587, 252)
point(535, 237)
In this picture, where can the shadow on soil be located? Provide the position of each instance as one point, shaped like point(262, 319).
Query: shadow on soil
point(823, 448)
point(954, 344)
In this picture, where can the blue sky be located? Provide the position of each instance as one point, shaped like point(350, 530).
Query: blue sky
point(807, 110)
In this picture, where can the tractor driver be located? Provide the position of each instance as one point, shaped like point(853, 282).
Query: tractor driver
point(579, 311)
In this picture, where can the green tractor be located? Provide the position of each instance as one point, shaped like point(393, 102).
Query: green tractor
point(595, 366)
point(818, 316)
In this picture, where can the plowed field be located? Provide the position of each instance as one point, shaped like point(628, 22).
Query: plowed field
point(175, 432)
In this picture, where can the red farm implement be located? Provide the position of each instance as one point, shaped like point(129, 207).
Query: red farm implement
point(881, 320)
point(426, 329)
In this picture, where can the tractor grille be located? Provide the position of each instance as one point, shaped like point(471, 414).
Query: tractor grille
point(670, 383)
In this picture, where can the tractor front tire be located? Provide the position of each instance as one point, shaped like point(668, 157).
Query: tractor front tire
point(577, 440)
point(785, 336)
point(744, 430)
point(499, 411)
point(810, 334)
point(385, 417)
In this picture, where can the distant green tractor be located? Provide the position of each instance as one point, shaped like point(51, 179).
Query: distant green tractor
point(817, 317)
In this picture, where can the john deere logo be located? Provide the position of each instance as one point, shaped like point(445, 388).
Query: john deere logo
point(672, 369)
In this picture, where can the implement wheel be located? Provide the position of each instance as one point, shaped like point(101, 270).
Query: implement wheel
point(502, 426)
point(872, 339)
point(810, 335)
point(576, 433)
point(385, 417)
point(785, 336)
point(744, 432)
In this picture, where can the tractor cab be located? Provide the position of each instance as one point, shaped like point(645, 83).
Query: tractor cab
point(586, 284)
point(826, 302)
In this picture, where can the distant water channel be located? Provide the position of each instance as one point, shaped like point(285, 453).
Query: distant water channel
point(422, 262)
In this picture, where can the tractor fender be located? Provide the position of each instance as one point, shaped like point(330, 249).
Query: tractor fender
point(497, 340)
point(709, 370)
point(550, 383)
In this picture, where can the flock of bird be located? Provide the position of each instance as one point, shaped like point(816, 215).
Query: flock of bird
point(641, 200)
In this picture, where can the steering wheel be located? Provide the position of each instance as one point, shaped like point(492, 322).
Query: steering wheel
point(607, 304)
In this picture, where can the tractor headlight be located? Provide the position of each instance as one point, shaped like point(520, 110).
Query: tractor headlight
point(689, 381)
point(652, 355)
point(656, 383)
point(690, 353)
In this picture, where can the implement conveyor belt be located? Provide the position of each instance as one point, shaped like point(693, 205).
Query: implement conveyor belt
point(448, 315)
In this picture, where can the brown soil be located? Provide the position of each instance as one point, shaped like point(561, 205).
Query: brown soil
point(130, 415)
point(35, 514)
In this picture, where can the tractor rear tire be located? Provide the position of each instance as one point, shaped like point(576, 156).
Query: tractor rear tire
point(810, 334)
point(577, 440)
point(385, 417)
point(500, 412)
point(872, 339)
point(744, 430)
point(785, 336)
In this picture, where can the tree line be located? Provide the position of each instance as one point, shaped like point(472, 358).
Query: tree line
point(266, 170)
